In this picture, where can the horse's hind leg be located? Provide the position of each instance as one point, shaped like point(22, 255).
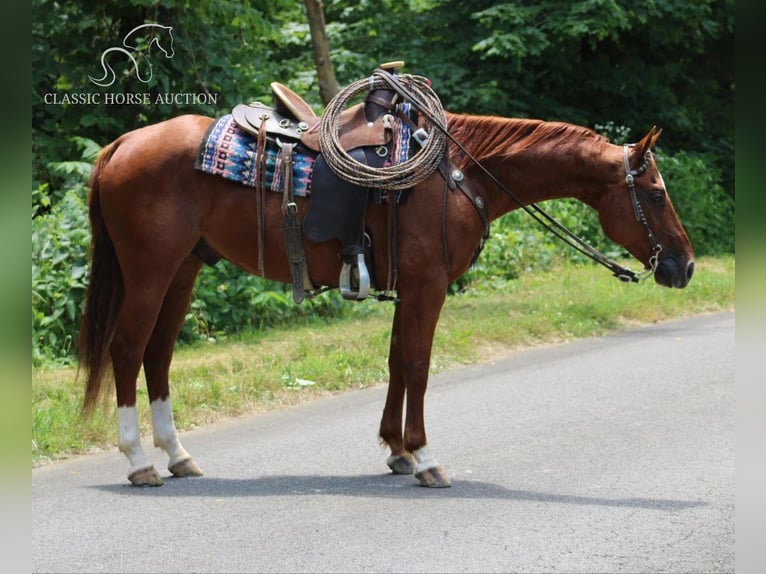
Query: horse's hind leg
point(157, 358)
point(135, 323)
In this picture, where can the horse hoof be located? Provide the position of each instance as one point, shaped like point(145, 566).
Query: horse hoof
point(145, 477)
point(185, 468)
point(401, 464)
point(433, 478)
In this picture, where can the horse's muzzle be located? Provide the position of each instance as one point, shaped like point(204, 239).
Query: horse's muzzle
point(673, 273)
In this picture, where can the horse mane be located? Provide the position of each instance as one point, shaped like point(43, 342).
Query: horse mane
point(493, 137)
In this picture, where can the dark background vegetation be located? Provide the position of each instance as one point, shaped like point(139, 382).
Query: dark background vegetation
point(616, 66)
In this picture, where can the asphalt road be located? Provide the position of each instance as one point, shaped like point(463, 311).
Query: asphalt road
point(612, 454)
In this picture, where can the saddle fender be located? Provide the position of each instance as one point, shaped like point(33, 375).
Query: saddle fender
point(336, 209)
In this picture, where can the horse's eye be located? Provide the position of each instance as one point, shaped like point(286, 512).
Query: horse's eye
point(657, 197)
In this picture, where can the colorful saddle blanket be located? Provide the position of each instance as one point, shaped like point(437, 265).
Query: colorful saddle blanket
point(229, 152)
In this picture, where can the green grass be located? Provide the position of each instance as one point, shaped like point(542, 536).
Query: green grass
point(281, 367)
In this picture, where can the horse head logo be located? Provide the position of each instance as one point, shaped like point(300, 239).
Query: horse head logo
point(155, 34)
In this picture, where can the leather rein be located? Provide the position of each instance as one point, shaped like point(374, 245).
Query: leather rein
point(536, 212)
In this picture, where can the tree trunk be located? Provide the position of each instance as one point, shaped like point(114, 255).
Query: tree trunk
point(328, 85)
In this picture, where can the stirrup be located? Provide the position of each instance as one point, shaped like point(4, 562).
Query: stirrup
point(352, 275)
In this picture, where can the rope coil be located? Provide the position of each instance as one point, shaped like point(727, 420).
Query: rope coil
point(393, 177)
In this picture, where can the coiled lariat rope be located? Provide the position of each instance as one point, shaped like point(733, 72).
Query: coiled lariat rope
point(393, 177)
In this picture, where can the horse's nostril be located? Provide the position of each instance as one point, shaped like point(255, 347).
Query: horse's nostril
point(689, 270)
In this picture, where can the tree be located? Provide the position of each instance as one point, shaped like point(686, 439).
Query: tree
point(328, 85)
point(589, 62)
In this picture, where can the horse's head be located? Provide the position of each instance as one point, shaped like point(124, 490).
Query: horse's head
point(166, 45)
point(637, 213)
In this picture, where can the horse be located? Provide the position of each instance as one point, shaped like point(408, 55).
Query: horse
point(155, 33)
point(149, 208)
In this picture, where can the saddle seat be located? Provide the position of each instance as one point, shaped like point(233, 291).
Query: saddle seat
point(291, 117)
point(288, 103)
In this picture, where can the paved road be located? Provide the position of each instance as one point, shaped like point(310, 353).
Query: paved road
point(612, 454)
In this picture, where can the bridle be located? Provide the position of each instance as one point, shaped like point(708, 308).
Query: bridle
point(547, 221)
point(638, 211)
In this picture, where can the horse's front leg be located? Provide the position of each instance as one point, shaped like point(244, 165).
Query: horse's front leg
point(400, 461)
point(412, 336)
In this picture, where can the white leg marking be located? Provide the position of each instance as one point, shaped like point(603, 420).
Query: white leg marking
point(129, 439)
point(424, 459)
point(165, 436)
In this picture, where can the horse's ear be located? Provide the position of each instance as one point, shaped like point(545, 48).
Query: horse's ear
point(647, 142)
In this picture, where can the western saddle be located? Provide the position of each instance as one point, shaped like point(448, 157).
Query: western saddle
point(337, 207)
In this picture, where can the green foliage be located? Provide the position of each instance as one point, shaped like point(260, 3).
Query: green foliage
point(705, 209)
point(587, 62)
point(518, 244)
point(227, 300)
point(60, 241)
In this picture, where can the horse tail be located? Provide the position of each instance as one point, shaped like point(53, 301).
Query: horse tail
point(104, 295)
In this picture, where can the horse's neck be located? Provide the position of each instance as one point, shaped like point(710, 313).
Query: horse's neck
point(534, 160)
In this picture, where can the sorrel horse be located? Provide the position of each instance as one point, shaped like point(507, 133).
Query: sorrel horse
point(149, 208)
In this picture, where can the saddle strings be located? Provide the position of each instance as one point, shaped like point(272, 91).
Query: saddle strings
point(260, 186)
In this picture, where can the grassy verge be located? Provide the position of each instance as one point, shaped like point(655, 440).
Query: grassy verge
point(285, 366)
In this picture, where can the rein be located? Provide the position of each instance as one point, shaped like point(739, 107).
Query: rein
point(547, 221)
